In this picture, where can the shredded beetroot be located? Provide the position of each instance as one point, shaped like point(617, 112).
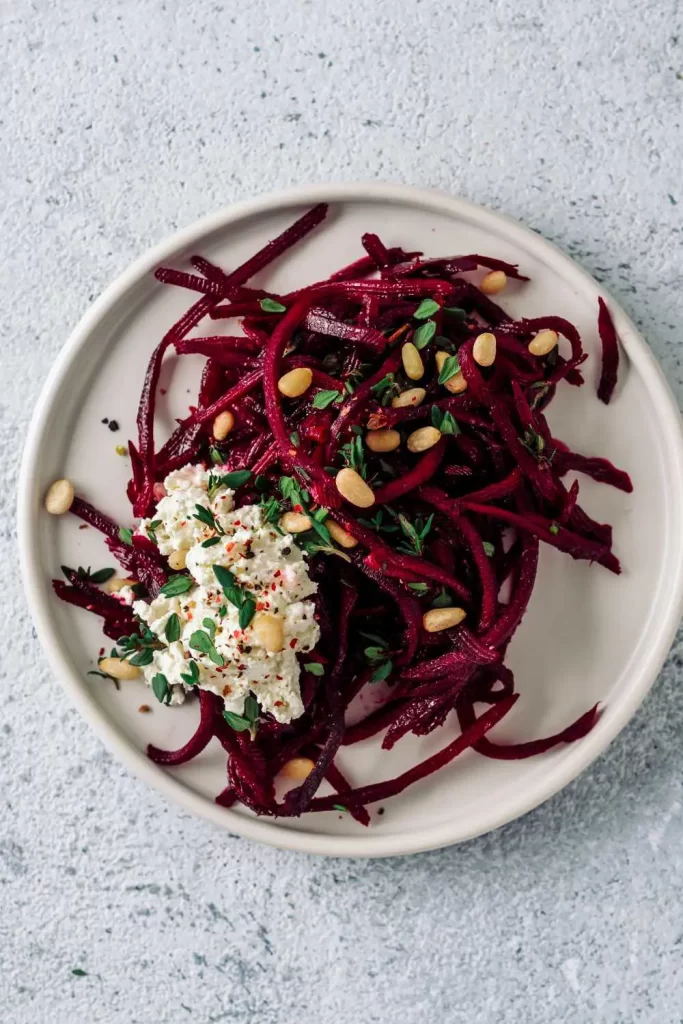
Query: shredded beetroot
point(610, 353)
point(457, 526)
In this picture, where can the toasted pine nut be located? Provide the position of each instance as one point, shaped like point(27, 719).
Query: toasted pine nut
point(60, 497)
point(115, 584)
point(424, 438)
point(437, 619)
point(118, 668)
point(223, 424)
point(353, 487)
point(484, 349)
point(382, 440)
point(412, 361)
point(494, 282)
point(413, 396)
point(457, 383)
point(298, 769)
point(270, 631)
point(543, 343)
point(295, 522)
point(177, 559)
point(339, 534)
point(295, 382)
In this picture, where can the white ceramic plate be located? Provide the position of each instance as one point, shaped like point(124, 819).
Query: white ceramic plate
point(588, 635)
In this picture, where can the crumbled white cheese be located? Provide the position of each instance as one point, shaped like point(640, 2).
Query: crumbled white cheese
point(264, 562)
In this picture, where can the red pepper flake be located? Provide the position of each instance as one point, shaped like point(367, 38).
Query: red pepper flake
point(83, 526)
point(260, 606)
point(279, 704)
point(242, 668)
point(237, 523)
point(144, 708)
point(101, 651)
point(273, 586)
point(298, 508)
point(279, 678)
point(293, 643)
point(277, 573)
point(226, 691)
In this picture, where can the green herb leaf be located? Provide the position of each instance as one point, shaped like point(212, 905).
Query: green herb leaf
point(315, 668)
point(191, 677)
point(489, 549)
point(246, 612)
point(206, 516)
point(291, 490)
point(295, 439)
point(210, 541)
point(236, 722)
point(324, 398)
point(340, 807)
point(79, 972)
point(233, 480)
point(555, 529)
point(449, 369)
point(456, 312)
point(374, 653)
point(449, 424)
point(216, 456)
point(419, 588)
point(442, 600)
point(261, 483)
point(210, 626)
point(152, 529)
point(426, 308)
point(142, 657)
point(424, 334)
point(353, 454)
point(172, 628)
point(382, 672)
point(126, 535)
point(271, 510)
point(272, 306)
point(101, 576)
point(177, 585)
point(202, 642)
point(162, 691)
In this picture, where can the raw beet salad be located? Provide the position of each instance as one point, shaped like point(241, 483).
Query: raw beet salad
point(356, 500)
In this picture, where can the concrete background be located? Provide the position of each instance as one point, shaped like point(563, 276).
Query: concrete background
point(123, 120)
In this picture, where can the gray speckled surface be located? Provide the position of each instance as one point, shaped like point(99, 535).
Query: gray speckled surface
point(124, 120)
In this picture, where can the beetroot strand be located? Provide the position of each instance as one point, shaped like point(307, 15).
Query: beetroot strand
point(610, 353)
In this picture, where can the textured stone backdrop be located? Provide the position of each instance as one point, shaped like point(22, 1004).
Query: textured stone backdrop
point(123, 120)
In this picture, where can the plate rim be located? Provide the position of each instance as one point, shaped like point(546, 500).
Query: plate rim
point(268, 830)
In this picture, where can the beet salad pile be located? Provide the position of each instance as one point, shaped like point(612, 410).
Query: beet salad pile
point(357, 499)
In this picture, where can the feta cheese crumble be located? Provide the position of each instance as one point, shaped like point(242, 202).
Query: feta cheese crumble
point(264, 562)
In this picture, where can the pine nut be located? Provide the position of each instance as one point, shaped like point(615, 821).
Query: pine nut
point(339, 534)
point(543, 343)
point(494, 282)
point(424, 438)
point(455, 384)
point(413, 396)
point(437, 619)
point(382, 440)
point(484, 349)
point(298, 769)
point(115, 584)
point(412, 361)
point(118, 669)
point(176, 559)
point(223, 424)
point(353, 487)
point(295, 522)
point(270, 631)
point(295, 382)
point(60, 497)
